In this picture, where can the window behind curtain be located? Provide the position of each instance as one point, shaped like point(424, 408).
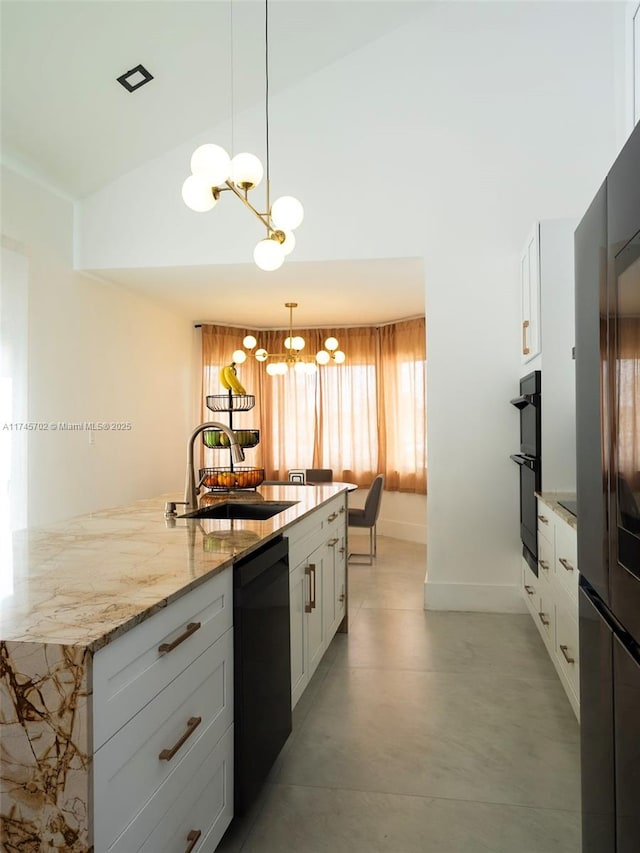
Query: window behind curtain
point(361, 418)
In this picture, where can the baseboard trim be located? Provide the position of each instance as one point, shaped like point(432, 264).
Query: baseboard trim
point(403, 530)
point(483, 598)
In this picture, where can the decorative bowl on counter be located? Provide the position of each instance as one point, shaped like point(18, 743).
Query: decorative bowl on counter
point(225, 478)
point(217, 438)
point(230, 402)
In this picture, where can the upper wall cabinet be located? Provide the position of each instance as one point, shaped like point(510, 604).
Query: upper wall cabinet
point(530, 296)
point(547, 282)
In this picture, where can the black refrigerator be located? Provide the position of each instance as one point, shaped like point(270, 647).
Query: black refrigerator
point(607, 263)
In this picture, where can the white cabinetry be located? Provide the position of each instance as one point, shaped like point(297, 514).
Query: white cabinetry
point(547, 283)
point(317, 587)
point(552, 597)
point(163, 728)
point(530, 295)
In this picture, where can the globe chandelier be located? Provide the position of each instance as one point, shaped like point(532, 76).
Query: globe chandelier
point(292, 358)
point(213, 172)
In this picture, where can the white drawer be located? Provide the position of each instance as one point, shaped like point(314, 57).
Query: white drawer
point(304, 537)
point(128, 769)
point(545, 618)
point(545, 522)
point(567, 558)
point(545, 560)
point(131, 670)
point(566, 646)
point(196, 800)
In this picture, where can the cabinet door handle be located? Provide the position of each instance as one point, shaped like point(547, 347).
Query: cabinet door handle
point(332, 542)
point(543, 519)
point(312, 569)
point(341, 509)
point(192, 725)
point(542, 617)
point(564, 650)
point(342, 550)
point(192, 838)
point(564, 562)
point(529, 589)
point(333, 516)
point(525, 348)
point(543, 565)
point(191, 628)
point(308, 606)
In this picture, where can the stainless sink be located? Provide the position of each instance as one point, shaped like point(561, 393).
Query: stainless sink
point(241, 510)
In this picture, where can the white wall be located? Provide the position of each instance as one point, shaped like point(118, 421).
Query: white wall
point(444, 140)
point(96, 353)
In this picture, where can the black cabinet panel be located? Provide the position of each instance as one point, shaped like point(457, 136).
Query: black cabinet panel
point(627, 726)
point(596, 730)
point(593, 462)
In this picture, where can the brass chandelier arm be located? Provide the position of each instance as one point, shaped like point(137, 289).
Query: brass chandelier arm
point(265, 218)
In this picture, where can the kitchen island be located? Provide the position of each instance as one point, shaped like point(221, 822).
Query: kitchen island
point(75, 588)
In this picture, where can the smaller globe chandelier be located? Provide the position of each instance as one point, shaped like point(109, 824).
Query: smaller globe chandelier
point(292, 358)
point(213, 172)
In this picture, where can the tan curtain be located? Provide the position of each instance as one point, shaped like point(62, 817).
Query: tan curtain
point(365, 417)
point(403, 404)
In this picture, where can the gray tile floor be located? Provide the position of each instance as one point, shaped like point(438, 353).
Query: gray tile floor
point(423, 732)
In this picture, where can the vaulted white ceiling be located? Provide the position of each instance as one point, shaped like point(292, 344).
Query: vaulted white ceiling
point(69, 124)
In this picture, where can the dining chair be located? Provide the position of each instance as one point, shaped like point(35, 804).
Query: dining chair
point(368, 517)
point(319, 475)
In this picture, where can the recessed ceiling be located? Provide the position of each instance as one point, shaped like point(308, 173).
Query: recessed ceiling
point(330, 293)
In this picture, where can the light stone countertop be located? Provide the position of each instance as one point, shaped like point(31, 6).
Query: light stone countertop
point(84, 581)
point(551, 500)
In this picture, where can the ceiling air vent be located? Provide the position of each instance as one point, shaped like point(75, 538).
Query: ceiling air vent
point(134, 78)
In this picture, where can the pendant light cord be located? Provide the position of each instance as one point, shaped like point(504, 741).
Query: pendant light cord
point(233, 147)
point(266, 76)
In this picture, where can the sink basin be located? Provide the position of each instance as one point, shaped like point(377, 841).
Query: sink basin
point(241, 509)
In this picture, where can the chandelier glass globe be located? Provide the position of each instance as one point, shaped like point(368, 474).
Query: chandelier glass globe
point(197, 194)
point(238, 356)
point(339, 357)
point(211, 164)
point(246, 171)
point(268, 255)
point(287, 212)
point(323, 357)
point(249, 342)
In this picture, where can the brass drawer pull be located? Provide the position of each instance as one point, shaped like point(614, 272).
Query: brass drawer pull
point(567, 565)
point(333, 516)
point(525, 348)
point(332, 542)
point(192, 725)
point(191, 628)
point(312, 569)
point(192, 838)
point(342, 550)
point(543, 519)
point(308, 606)
point(529, 589)
point(564, 650)
point(543, 565)
point(341, 509)
point(542, 617)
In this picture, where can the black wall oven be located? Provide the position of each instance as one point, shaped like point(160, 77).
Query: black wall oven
point(607, 244)
point(528, 460)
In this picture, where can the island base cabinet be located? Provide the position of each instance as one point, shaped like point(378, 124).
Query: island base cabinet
point(203, 811)
point(307, 622)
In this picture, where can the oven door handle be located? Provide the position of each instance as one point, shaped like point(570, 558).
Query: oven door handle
point(521, 459)
point(525, 400)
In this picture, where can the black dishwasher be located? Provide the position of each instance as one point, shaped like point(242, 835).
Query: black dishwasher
point(262, 666)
